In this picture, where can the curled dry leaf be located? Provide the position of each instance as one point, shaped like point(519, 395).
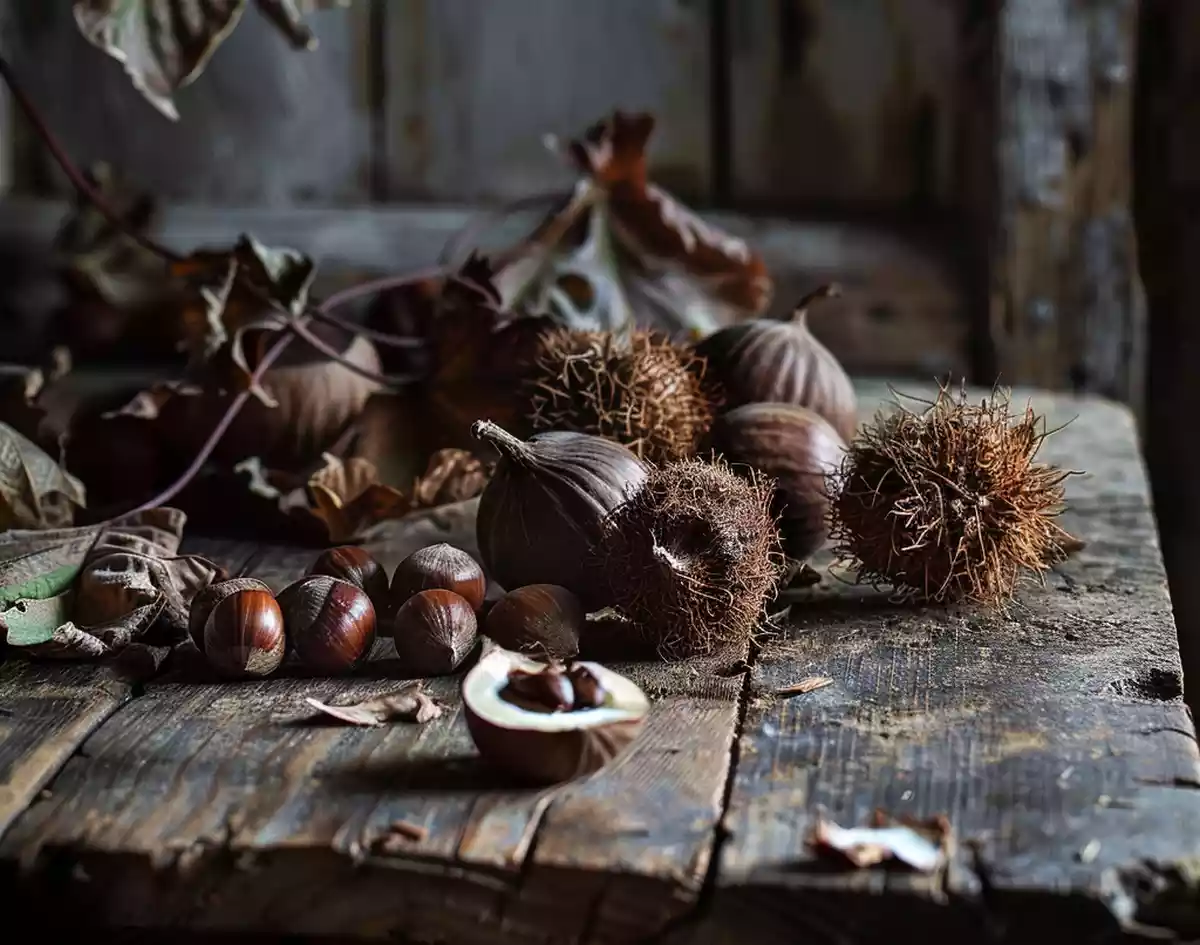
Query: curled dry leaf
point(83, 593)
point(921, 846)
point(452, 476)
point(344, 496)
point(21, 402)
point(35, 491)
point(408, 704)
point(623, 251)
point(165, 44)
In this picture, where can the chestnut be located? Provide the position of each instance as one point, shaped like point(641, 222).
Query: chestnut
point(434, 631)
point(441, 567)
point(542, 619)
point(208, 598)
point(551, 731)
point(354, 564)
point(243, 635)
point(330, 623)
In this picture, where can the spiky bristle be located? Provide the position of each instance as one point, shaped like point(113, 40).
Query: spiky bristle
point(693, 556)
point(639, 390)
point(948, 504)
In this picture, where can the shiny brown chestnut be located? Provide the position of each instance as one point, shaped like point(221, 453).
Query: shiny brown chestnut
point(244, 636)
point(544, 620)
point(354, 564)
point(439, 567)
point(210, 596)
point(434, 631)
point(330, 623)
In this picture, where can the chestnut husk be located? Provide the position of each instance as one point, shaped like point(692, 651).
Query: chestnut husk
point(797, 448)
point(541, 747)
point(540, 619)
point(440, 566)
point(434, 631)
point(330, 623)
point(208, 598)
point(545, 506)
point(772, 361)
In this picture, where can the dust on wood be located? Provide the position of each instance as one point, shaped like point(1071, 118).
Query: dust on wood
point(1051, 729)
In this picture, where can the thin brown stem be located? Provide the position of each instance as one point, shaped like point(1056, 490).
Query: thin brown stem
point(76, 176)
point(385, 338)
point(388, 380)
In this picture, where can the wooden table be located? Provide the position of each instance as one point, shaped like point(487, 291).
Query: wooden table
point(1054, 737)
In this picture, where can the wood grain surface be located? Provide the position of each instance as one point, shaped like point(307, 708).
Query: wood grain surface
point(1053, 737)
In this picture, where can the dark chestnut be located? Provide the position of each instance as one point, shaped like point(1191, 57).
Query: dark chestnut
point(439, 567)
point(210, 596)
point(541, 619)
point(434, 631)
point(354, 564)
point(547, 691)
point(330, 623)
point(243, 635)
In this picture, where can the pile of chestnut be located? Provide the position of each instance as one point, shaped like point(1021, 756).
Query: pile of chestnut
point(329, 619)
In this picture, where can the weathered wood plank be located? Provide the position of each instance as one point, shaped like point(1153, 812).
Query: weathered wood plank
point(844, 103)
point(264, 124)
point(193, 788)
point(903, 311)
point(1054, 738)
point(472, 89)
point(1047, 94)
point(48, 709)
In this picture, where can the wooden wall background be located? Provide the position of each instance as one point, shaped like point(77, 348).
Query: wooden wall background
point(798, 102)
point(961, 166)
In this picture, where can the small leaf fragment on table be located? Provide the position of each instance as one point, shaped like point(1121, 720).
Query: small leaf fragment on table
point(921, 846)
point(35, 491)
point(806, 685)
point(408, 704)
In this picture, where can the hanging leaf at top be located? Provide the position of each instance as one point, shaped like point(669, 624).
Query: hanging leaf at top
point(35, 492)
point(622, 251)
point(165, 44)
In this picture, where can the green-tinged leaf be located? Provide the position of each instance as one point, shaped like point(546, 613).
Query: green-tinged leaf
point(163, 44)
point(35, 492)
point(31, 623)
point(83, 593)
point(42, 587)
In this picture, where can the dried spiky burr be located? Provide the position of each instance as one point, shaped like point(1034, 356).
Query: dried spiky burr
point(948, 503)
point(693, 557)
point(636, 388)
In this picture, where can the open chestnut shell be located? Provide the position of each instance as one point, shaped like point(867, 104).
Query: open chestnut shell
point(545, 747)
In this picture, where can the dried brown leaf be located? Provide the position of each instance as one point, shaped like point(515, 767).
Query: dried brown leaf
point(453, 475)
point(806, 685)
point(408, 704)
point(622, 251)
point(35, 491)
point(348, 497)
